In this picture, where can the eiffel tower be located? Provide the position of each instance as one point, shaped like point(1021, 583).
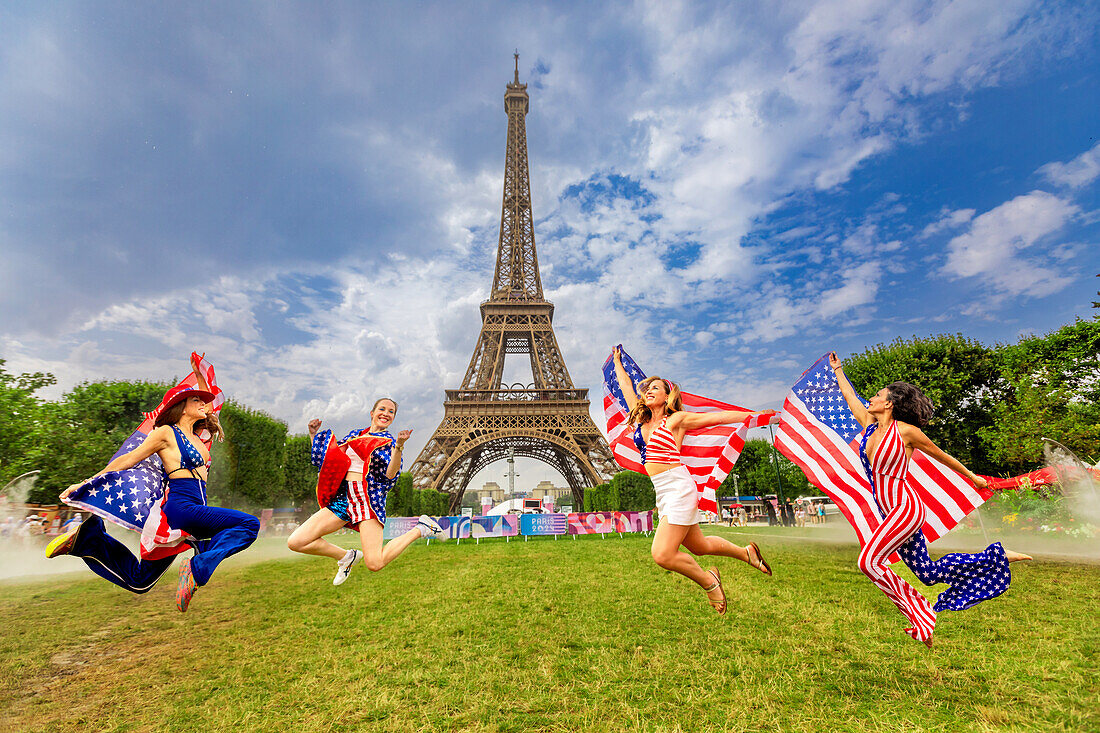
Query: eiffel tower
point(485, 421)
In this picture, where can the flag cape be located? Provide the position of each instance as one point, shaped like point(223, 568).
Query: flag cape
point(133, 498)
point(333, 463)
point(707, 453)
point(818, 432)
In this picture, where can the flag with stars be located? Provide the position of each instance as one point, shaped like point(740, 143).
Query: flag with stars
point(818, 432)
point(132, 498)
point(707, 453)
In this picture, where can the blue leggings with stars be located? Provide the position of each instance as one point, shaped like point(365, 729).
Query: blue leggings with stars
point(972, 577)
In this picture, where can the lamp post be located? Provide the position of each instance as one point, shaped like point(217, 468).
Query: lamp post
point(512, 473)
point(778, 478)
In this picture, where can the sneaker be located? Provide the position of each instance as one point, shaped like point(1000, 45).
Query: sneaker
point(345, 570)
point(62, 544)
point(186, 588)
point(435, 531)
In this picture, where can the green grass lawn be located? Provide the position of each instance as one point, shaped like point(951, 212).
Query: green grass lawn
point(546, 635)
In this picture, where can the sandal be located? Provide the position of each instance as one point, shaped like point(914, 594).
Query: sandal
point(761, 564)
point(719, 605)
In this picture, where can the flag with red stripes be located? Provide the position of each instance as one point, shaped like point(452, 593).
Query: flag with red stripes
point(818, 432)
point(707, 453)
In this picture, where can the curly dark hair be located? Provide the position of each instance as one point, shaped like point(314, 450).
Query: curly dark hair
point(910, 404)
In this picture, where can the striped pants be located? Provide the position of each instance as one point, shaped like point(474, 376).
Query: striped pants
point(904, 516)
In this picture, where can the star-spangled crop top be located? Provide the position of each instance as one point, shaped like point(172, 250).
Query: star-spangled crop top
point(661, 447)
point(190, 458)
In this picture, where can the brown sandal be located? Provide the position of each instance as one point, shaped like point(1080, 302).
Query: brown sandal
point(719, 605)
point(761, 564)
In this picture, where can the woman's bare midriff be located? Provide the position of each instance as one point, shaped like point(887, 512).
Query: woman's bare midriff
point(655, 468)
point(354, 477)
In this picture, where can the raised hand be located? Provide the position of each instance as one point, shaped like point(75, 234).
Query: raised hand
point(402, 437)
point(834, 361)
point(314, 426)
point(65, 494)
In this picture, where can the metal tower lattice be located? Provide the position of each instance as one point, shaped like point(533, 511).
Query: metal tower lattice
point(485, 420)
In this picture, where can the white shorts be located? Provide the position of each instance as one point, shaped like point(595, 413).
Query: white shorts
point(677, 496)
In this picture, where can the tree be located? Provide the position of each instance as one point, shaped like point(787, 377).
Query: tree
point(755, 472)
point(958, 374)
point(20, 415)
point(300, 482)
point(76, 436)
point(635, 491)
point(399, 499)
point(1049, 386)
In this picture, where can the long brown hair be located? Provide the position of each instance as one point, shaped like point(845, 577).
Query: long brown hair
point(910, 404)
point(172, 415)
point(674, 403)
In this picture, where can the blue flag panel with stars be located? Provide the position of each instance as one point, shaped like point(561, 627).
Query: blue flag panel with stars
point(820, 392)
point(124, 497)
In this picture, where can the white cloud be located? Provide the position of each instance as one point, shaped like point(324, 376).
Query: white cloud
point(1077, 173)
point(948, 220)
point(993, 247)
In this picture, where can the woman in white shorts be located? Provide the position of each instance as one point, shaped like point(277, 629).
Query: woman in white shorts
point(656, 411)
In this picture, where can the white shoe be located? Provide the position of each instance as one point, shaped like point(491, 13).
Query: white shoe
point(435, 531)
point(345, 570)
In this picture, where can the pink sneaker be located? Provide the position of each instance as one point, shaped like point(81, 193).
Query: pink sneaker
point(186, 588)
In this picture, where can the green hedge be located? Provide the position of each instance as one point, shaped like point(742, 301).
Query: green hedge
point(249, 467)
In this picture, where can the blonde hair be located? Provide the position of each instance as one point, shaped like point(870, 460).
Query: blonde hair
point(674, 403)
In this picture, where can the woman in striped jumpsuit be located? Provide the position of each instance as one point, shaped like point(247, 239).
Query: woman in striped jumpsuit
point(893, 420)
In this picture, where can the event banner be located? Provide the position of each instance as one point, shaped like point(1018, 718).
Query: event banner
point(540, 524)
point(457, 528)
point(634, 521)
point(397, 526)
point(591, 522)
point(505, 525)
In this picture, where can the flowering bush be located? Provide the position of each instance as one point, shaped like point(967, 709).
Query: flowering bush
point(1033, 510)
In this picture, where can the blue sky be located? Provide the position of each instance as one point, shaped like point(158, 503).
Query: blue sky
point(310, 192)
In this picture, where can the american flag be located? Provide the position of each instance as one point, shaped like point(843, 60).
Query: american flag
point(707, 453)
point(819, 433)
point(132, 498)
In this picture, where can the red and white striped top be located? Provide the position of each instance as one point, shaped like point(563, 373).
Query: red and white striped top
point(662, 447)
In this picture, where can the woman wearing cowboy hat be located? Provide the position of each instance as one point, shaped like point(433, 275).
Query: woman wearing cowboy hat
point(215, 533)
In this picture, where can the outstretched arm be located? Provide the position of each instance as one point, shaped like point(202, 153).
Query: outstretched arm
point(694, 420)
point(915, 438)
point(858, 410)
point(395, 455)
point(154, 442)
point(626, 384)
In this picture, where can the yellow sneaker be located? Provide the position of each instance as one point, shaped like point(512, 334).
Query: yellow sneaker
point(62, 544)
